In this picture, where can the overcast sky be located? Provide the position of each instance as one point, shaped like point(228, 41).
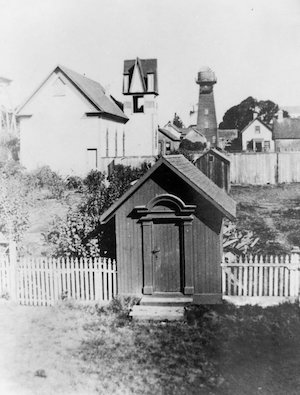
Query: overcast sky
point(252, 45)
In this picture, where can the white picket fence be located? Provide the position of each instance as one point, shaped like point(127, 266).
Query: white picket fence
point(44, 281)
point(264, 280)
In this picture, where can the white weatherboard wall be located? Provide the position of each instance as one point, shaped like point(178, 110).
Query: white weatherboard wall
point(250, 134)
point(58, 133)
point(141, 129)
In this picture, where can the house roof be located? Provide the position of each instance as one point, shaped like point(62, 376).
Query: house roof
point(216, 152)
point(91, 89)
point(193, 134)
point(288, 128)
point(228, 133)
point(189, 174)
point(253, 120)
point(146, 66)
point(169, 134)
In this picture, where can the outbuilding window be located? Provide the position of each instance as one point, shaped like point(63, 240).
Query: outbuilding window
point(257, 129)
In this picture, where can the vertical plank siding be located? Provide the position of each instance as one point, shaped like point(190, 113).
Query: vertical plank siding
point(45, 281)
point(259, 277)
point(264, 168)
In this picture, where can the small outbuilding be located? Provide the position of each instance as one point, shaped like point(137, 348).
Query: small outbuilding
point(168, 232)
point(216, 166)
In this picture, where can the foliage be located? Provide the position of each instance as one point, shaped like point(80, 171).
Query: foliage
point(177, 121)
point(49, 179)
point(13, 144)
point(239, 116)
point(188, 145)
point(93, 181)
point(69, 236)
point(15, 198)
point(73, 236)
point(74, 182)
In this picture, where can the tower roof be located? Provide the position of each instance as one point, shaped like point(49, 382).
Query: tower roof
point(146, 66)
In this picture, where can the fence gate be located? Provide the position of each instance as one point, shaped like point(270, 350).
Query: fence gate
point(44, 281)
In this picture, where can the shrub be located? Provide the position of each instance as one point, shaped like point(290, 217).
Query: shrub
point(94, 181)
point(49, 179)
point(74, 182)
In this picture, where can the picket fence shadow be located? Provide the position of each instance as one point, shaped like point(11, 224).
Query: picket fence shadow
point(262, 280)
point(45, 281)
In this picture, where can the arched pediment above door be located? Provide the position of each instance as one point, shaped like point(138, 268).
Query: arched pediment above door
point(165, 205)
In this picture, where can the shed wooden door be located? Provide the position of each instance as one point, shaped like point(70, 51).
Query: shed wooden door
point(166, 257)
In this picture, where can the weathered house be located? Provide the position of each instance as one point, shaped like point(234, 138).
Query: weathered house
point(216, 166)
point(168, 232)
point(286, 134)
point(168, 140)
point(257, 137)
point(71, 124)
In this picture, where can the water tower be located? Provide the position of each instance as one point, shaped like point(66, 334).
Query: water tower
point(207, 120)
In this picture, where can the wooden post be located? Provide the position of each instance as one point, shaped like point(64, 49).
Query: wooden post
point(294, 268)
point(13, 270)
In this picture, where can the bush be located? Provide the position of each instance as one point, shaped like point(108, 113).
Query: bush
point(94, 181)
point(48, 179)
point(74, 182)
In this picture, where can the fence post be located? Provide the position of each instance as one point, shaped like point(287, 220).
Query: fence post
point(13, 269)
point(294, 272)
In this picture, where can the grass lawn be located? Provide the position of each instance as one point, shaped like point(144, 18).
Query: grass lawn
point(86, 350)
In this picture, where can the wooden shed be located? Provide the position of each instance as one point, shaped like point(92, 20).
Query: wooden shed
point(168, 232)
point(216, 166)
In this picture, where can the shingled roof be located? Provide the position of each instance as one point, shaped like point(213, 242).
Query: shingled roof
point(192, 176)
point(288, 128)
point(92, 90)
point(169, 134)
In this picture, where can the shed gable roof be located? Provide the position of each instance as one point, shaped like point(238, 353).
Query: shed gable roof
point(189, 174)
point(216, 152)
point(90, 89)
point(288, 128)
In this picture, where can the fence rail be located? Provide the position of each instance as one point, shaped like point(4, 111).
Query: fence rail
point(258, 278)
point(45, 281)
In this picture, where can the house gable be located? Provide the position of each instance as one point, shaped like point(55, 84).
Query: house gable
point(91, 91)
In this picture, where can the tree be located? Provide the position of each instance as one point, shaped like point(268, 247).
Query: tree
point(177, 121)
point(239, 116)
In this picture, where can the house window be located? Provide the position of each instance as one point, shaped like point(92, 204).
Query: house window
point(107, 143)
point(150, 79)
point(206, 111)
point(257, 129)
point(138, 103)
point(168, 146)
point(92, 159)
point(126, 84)
point(267, 145)
point(116, 143)
point(59, 87)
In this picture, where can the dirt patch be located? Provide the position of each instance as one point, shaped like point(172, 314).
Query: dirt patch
point(272, 213)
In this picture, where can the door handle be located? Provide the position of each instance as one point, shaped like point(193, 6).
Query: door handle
point(155, 251)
